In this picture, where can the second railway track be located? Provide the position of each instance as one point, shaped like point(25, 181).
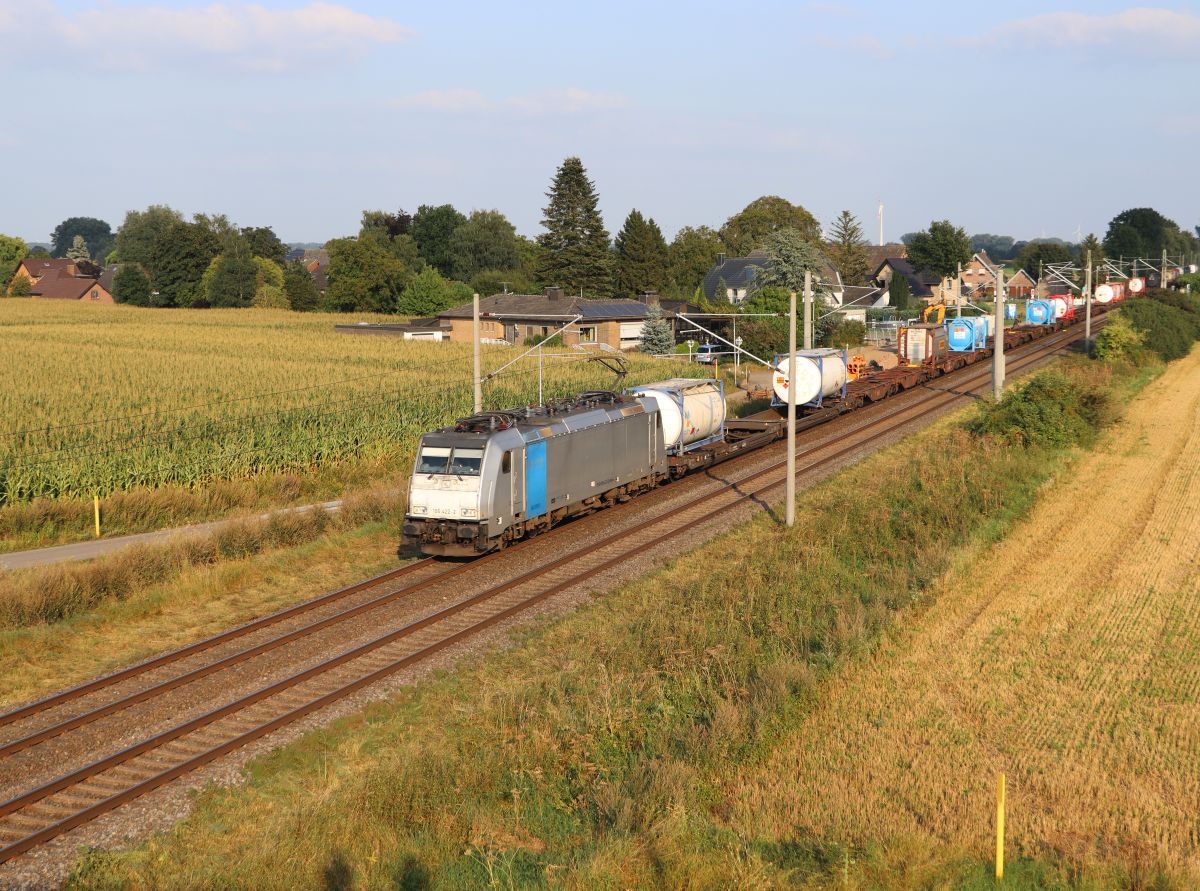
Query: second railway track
point(81, 795)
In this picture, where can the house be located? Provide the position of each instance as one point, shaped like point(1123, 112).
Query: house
point(63, 279)
point(878, 253)
point(980, 272)
point(512, 318)
point(740, 274)
point(1020, 285)
point(921, 285)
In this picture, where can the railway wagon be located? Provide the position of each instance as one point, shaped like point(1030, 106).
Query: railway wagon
point(499, 476)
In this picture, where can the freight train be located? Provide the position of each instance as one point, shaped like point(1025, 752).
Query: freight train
point(497, 477)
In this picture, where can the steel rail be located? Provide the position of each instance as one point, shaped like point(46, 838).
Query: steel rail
point(1040, 350)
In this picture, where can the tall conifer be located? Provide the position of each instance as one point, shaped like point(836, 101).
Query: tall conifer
point(576, 253)
point(641, 256)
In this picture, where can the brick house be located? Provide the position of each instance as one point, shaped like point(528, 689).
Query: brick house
point(63, 279)
point(513, 317)
point(980, 272)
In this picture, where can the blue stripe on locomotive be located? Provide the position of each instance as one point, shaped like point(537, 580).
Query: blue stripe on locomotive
point(535, 479)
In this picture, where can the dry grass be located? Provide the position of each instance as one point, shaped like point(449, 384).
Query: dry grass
point(126, 608)
point(1066, 657)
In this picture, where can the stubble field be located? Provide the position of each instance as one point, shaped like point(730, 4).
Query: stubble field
point(1066, 658)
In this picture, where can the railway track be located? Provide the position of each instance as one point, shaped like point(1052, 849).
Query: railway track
point(85, 793)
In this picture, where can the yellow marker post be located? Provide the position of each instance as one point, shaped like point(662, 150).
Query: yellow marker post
point(96, 505)
point(1000, 829)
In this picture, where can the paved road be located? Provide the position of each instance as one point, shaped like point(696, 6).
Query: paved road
point(86, 550)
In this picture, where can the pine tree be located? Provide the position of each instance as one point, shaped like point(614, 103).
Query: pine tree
point(900, 292)
point(848, 249)
point(79, 249)
point(641, 256)
point(575, 244)
point(657, 338)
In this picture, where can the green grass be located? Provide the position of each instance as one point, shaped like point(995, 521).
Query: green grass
point(596, 752)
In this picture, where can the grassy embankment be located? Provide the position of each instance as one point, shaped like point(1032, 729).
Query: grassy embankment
point(614, 747)
point(174, 416)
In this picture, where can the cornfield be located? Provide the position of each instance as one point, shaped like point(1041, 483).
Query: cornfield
point(103, 399)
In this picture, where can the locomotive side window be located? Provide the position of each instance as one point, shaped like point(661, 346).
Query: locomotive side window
point(506, 462)
point(466, 462)
point(434, 459)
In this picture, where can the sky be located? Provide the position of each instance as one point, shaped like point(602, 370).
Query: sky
point(1021, 118)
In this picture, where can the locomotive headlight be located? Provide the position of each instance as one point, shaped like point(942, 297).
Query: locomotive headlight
point(470, 512)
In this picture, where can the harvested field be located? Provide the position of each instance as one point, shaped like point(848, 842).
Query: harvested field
point(1065, 657)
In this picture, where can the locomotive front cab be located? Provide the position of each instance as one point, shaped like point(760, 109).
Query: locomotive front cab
point(444, 496)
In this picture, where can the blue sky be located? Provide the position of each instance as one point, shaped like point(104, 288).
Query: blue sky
point(1019, 118)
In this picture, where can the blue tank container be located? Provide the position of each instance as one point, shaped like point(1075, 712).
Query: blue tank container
point(967, 334)
point(1039, 312)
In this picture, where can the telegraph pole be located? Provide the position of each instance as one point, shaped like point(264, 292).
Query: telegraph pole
point(808, 311)
point(958, 302)
point(998, 352)
point(791, 408)
point(1087, 297)
point(475, 342)
point(1162, 280)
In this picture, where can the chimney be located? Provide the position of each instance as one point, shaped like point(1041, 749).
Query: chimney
point(554, 293)
point(650, 298)
point(721, 259)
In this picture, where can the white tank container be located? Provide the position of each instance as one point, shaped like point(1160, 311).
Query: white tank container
point(1062, 305)
point(690, 410)
point(819, 373)
point(1104, 294)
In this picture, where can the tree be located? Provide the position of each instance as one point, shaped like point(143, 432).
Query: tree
point(690, 256)
point(1139, 232)
point(301, 290)
point(848, 249)
point(233, 283)
point(79, 249)
point(12, 251)
point(131, 286)
point(575, 253)
point(390, 225)
point(641, 256)
point(432, 229)
point(899, 291)
point(487, 240)
point(140, 231)
point(428, 293)
point(363, 276)
point(97, 233)
point(1092, 244)
point(998, 247)
point(263, 242)
point(657, 337)
point(181, 254)
point(791, 255)
point(268, 272)
point(771, 298)
point(1039, 253)
point(846, 332)
point(748, 229)
point(940, 249)
point(21, 287)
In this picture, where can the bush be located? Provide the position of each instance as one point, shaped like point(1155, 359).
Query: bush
point(1167, 330)
point(1119, 341)
point(553, 341)
point(271, 297)
point(847, 332)
point(1178, 299)
point(1051, 410)
point(1190, 278)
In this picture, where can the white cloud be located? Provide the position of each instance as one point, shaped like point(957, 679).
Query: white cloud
point(552, 102)
point(246, 37)
point(1139, 31)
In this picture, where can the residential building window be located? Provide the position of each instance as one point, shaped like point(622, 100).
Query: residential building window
point(95, 295)
point(587, 334)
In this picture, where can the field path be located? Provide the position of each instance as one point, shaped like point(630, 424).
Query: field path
point(1067, 656)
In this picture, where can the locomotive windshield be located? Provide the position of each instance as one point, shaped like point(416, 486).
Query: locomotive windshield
point(442, 459)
